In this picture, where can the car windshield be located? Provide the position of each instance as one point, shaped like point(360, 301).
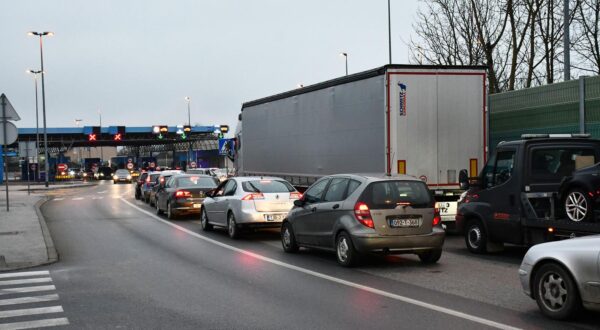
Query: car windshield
point(390, 194)
point(122, 172)
point(267, 186)
point(196, 182)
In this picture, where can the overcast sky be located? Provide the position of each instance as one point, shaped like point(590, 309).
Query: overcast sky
point(135, 61)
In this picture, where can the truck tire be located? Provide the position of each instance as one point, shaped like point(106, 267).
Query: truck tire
point(476, 237)
point(578, 205)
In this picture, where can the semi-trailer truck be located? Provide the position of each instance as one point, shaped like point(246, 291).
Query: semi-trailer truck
point(424, 121)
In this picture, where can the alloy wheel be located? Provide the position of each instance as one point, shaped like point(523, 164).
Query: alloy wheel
point(342, 249)
point(553, 291)
point(576, 206)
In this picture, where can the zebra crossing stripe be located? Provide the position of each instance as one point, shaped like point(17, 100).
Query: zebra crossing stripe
point(28, 300)
point(27, 281)
point(35, 324)
point(27, 289)
point(25, 274)
point(31, 311)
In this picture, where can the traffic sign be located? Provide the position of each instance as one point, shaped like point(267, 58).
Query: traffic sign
point(11, 133)
point(62, 167)
point(33, 167)
point(9, 111)
point(152, 165)
point(193, 164)
point(130, 166)
point(223, 146)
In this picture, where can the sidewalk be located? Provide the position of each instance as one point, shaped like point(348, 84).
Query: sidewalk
point(24, 237)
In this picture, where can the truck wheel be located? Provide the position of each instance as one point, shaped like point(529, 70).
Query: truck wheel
point(555, 292)
point(476, 237)
point(578, 205)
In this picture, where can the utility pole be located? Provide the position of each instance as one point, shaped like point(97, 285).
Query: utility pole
point(567, 42)
point(390, 31)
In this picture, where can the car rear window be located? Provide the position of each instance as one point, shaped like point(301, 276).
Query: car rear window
point(389, 194)
point(267, 186)
point(196, 182)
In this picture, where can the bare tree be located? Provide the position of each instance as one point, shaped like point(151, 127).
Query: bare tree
point(587, 30)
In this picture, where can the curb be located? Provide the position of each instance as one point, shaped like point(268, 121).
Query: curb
point(51, 250)
point(61, 187)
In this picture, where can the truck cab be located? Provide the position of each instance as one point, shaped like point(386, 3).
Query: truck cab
point(516, 198)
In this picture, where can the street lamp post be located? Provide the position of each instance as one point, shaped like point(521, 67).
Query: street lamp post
point(46, 165)
point(189, 99)
point(37, 125)
point(101, 148)
point(346, 59)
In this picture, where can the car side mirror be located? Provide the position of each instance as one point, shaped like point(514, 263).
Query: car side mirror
point(463, 179)
point(299, 202)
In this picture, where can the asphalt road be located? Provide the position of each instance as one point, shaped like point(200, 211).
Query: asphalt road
point(121, 266)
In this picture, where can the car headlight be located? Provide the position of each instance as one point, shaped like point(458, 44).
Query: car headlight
point(84, 174)
point(129, 177)
point(101, 174)
point(116, 177)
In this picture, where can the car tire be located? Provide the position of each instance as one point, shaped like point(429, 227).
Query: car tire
point(555, 292)
point(138, 195)
point(288, 240)
point(345, 253)
point(170, 212)
point(232, 227)
point(476, 237)
point(431, 256)
point(575, 203)
point(206, 226)
point(158, 210)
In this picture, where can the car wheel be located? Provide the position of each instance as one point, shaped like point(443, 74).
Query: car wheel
point(344, 250)
point(170, 212)
point(555, 292)
point(158, 210)
point(431, 256)
point(137, 195)
point(232, 228)
point(476, 237)
point(288, 240)
point(578, 205)
point(204, 221)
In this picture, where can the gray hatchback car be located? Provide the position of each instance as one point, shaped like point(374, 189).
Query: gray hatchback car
point(354, 215)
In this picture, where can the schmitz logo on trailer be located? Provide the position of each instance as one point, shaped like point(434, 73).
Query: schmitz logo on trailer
point(402, 99)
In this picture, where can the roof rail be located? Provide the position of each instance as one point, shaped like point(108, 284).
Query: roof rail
point(545, 136)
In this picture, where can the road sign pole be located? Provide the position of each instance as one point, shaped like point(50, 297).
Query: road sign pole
point(27, 168)
point(5, 149)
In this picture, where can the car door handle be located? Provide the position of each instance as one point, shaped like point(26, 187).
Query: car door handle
point(336, 206)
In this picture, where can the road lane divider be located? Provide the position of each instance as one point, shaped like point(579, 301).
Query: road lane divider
point(423, 304)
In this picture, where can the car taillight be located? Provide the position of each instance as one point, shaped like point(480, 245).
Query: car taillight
point(183, 194)
point(437, 219)
point(295, 195)
point(253, 196)
point(363, 215)
point(148, 180)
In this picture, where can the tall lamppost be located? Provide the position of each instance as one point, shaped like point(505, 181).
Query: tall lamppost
point(346, 58)
point(46, 165)
point(101, 148)
point(37, 125)
point(189, 99)
point(389, 31)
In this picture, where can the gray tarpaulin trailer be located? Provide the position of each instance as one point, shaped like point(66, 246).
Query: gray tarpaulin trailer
point(425, 121)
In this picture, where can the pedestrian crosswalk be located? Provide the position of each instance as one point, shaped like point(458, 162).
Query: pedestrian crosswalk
point(29, 300)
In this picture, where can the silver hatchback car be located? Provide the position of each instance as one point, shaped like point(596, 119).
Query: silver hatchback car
point(355, 214)
point(254, 202)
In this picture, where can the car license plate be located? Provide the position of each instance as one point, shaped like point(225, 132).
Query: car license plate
point(447, 210)
point(411, 222)
point(274, 217)
point(197, 205)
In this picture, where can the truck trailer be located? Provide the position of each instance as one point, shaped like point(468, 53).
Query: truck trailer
point(424, 121)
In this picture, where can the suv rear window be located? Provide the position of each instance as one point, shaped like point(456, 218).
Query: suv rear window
point(267, 186)
point(389, 194)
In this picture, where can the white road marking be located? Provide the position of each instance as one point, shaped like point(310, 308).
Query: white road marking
point(31, 311)
point(24, 274)
point(103, 192)
point(27, 289)
point(390, 295)
point(58, 198)
point(35, 324)
point(77, 198)
point(27, 281)
point(28, 300)
point(98, 197)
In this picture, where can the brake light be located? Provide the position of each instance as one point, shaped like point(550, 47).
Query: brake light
point(183, 194)
point(437, 219)
point(295, 195)
point(148, 179)
point(363, 214)
point(254, 196)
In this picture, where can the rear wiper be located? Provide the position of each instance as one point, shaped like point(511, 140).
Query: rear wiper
point(256, 190)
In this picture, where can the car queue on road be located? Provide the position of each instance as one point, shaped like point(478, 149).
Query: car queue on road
point(354, 216)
